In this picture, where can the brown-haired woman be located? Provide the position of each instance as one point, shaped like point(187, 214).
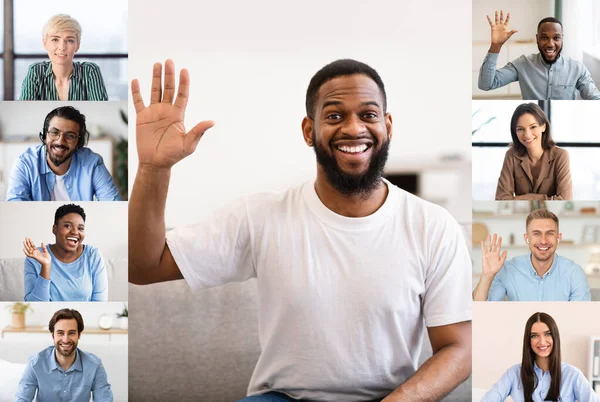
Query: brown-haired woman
point(534, 167)
point(542, 376)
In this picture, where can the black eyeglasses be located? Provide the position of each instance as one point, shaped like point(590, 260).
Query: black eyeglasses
point(69, 137)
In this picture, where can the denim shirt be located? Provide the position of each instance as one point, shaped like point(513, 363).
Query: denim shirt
point(573, 386)
point(42, 374)
point(31, 179)
point(538, 79)
point(518, 280)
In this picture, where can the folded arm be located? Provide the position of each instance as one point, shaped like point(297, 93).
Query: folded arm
point(104, 186)
point(27, 386)
point(449, 366)
point(101, 391)
point(586, 86)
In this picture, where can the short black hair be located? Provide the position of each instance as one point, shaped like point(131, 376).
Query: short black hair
point(67, 209)
point(68, 113)
point(549, 19)
point(336, 69)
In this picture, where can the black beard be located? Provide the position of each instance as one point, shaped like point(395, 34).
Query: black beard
point(550, 61)
point(353, 184)
point(56, 161)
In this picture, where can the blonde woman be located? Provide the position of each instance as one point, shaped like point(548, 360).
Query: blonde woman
point(61, 78)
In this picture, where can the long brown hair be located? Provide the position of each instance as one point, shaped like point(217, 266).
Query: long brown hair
point(528, 377)
point(540, 117)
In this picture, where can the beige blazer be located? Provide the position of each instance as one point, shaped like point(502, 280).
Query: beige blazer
point(553, 183)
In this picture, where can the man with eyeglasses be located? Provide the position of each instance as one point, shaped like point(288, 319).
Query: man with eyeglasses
point(61, 168)
point(544, 75)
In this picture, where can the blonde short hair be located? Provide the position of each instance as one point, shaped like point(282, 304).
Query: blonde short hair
point(540, 214)
point(59, 23)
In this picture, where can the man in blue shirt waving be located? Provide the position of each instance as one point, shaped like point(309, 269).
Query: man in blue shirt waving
point(543, 75)
point(61, 168)
point(63, 372)
point(541, 275)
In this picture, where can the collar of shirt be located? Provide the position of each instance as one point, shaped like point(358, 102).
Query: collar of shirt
point(52, 364)
point(534, 272)
point(558, 63)
point(75, 73)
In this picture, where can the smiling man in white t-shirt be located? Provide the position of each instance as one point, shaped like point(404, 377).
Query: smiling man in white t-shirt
point(350, 269)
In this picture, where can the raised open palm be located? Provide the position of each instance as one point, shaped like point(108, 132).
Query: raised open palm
point(160, 134)
point(500, 32)
point(30, 250)
point(492, 261)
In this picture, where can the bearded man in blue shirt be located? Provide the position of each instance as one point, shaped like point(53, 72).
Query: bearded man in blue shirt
point(63, 372)
point(544, 75)
point(61, 168)
point(541, 275)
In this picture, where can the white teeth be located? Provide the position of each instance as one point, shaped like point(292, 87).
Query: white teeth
point(73, 238)
point(353, 150)
point(544, 248)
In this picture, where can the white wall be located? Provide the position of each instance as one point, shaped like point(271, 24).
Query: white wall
point(250, 64)
point(105, 226)
point(25, 120)
point(524, 17)
point(498, 335)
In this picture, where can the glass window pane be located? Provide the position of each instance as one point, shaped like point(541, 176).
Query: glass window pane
point(575, 121)
point(104, 28)
point(491, 120)
point(114, 73)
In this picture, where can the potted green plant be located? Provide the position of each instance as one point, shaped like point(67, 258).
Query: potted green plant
point(18, 311)
point(124, 318)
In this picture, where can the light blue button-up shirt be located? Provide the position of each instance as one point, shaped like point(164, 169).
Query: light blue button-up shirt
point(84, 279)
point(53, 384)
point(573, 386)
point(538, 79)
point(31, 179)
point(564, 281)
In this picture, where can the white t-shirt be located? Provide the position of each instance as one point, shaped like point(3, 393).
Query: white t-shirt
point(342, 301)
point(59, 193)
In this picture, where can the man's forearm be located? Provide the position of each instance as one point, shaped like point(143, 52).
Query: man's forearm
point(437, 377)
point(147, 220)
point(482, 289)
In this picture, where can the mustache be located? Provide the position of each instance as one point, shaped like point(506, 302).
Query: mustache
point(60, 147)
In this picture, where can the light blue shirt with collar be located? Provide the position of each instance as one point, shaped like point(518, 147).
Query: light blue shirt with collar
point(84, 279)
point(538, 79)
point(518, 281)
point(52, 383)
point(31, 179)
point(573, 386)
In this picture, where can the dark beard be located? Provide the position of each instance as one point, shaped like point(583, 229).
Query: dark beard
point(550, 61)
point(353, 184)
point(56, 161)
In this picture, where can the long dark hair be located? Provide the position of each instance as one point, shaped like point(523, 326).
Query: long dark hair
point(528, 377)
point(540, 117)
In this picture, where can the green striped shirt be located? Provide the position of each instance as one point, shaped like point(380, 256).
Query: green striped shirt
point(85, 83)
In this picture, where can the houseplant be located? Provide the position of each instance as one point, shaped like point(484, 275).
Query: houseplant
point(124, 318)
point(18, 311)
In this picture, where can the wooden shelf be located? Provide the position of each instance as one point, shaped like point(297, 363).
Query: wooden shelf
point(86, 330)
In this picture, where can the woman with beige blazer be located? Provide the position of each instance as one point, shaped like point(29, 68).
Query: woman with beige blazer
point(534, 167)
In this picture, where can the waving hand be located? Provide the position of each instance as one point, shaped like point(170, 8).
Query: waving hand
point(160, 134)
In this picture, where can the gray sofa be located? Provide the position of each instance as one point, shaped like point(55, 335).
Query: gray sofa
point(200, 346)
